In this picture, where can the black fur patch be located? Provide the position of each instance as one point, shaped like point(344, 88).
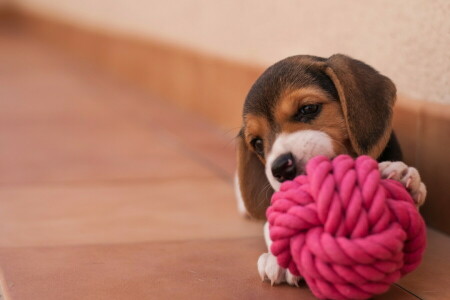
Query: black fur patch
point(292, 72)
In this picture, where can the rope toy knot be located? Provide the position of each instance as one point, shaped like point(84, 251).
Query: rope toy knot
point(348, 232)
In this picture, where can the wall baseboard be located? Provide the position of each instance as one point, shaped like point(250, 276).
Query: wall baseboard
point(215, 88)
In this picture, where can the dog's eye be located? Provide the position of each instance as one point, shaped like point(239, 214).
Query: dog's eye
point(258, 146)
point(307, 112)
point(309, 109)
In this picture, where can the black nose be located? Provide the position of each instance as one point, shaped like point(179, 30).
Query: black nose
point(283, 168)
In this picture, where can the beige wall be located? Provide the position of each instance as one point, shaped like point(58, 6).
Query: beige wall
point(408, 40)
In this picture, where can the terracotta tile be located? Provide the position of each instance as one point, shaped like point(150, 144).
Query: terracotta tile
point(188, 132)
point(59, 122)
point(88, 145)
point(407, 125)
point(434, 164)
point(81, 146)
point(431, 280)
point(215, 269)
point(176, 209)
point(199, 139)
point(43, 154)
point(424, 131)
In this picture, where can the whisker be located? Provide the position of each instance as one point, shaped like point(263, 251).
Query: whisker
point(265, 190)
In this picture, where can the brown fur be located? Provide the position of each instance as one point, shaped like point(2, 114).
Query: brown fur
point(257, 191)
point(367, 99)
point(257, 126)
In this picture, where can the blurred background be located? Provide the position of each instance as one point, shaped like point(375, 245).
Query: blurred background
point(116, 115)
point(407, 39)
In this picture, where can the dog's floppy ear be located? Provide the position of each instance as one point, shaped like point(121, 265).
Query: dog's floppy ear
point(253, 184)
point(366, 98)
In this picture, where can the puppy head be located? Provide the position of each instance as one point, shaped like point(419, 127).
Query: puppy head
point(305, 106)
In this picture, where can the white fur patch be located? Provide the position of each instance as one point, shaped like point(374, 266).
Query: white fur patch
point(268, 267)
point(303, 145)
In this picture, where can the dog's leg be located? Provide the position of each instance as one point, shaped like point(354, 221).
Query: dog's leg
point(408, 176)
point(268, 266)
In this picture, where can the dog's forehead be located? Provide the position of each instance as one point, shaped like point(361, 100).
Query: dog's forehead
point(293, 72)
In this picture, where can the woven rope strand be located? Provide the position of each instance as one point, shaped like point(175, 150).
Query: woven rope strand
point(348, 232)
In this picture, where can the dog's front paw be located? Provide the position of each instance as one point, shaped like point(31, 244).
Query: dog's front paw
point(268, 268)
point(408, 176)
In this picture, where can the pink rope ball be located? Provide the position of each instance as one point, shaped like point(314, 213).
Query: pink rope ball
point(348, 232)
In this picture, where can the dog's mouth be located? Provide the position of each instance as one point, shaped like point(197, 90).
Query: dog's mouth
point(287, 167)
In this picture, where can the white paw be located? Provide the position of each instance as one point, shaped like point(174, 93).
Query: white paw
point(292, 279)
point(408, 176)
point(268, 268)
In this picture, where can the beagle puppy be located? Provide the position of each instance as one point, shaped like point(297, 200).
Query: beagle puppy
point(305, 106)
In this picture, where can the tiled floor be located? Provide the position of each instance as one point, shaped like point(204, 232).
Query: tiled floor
point(107, 193)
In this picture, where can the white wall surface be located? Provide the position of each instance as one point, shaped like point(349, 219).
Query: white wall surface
point(407, 40)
